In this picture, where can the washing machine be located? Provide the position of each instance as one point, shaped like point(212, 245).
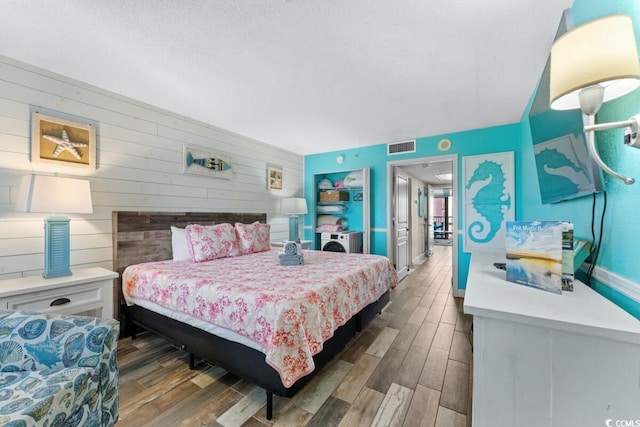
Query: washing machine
point(344, 241)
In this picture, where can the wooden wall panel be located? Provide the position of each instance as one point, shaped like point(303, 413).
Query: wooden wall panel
point(139, 163)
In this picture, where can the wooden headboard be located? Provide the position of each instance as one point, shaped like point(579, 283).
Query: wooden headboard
point(146, 236)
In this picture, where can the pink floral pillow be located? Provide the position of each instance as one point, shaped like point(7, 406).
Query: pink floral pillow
point(253, 238)
point(207, 242)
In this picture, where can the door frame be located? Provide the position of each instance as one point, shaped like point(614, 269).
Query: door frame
point(453, 158)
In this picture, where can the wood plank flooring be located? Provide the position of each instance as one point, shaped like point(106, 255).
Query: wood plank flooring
point(410, 367)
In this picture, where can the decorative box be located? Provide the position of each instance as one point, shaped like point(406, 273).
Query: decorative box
point(334, 196)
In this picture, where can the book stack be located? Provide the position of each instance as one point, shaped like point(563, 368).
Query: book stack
point(291, 254)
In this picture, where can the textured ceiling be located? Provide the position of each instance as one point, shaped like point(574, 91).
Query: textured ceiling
point(309, 76)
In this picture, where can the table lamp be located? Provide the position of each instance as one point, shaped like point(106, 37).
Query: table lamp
point(55, 195)
point(293, 207)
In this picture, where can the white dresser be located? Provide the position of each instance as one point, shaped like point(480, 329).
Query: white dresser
point(86, 292)
point(541, 359)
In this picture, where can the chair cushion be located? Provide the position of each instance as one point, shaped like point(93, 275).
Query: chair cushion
point(50, 397)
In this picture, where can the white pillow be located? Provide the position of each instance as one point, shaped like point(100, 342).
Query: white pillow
point(179, 244)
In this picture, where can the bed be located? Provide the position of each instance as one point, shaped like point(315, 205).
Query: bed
point(268, 324)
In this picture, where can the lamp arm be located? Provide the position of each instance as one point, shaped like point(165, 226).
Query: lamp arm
point(589, 120)
point(611, 125)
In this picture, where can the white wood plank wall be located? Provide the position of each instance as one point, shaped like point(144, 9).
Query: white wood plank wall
point(139, 157)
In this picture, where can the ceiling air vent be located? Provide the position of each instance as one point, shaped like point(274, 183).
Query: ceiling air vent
point(401, 147)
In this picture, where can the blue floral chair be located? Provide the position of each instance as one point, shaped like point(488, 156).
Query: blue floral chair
point(57, 370)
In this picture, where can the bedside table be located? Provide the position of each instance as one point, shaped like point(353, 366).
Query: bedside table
point(87, 292)
point(306, 244)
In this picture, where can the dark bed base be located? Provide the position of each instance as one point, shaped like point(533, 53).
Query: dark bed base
point(245, 362)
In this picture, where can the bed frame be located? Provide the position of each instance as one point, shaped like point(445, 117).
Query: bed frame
point(146, 236)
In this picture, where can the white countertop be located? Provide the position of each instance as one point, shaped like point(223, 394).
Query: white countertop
point(489, 294)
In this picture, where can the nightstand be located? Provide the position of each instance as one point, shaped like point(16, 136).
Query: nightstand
point(87, 292)
point(306, 244)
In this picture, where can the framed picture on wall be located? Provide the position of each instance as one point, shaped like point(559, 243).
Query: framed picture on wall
point(55, 140)
point(274, 178)
point(421, 200)
point(203, 161)
point(488, 199)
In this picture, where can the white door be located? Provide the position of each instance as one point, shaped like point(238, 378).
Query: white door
point(401, 224)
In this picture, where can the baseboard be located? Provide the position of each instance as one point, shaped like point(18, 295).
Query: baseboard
point(458, 293)
point(618, 283)
point(420, 258)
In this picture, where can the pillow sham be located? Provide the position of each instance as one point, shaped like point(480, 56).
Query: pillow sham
point(253, 238)
point(179, 246)
point(207, 242)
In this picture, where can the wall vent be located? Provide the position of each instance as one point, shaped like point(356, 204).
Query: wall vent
point(401, 147)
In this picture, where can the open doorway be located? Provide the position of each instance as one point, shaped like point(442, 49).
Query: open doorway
point(417, 227)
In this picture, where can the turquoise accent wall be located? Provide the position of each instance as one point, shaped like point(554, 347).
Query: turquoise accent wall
point(618, 253)
point(488, 140)
point(620, 242)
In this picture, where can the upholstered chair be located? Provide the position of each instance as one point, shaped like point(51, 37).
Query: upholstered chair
point(57, 370)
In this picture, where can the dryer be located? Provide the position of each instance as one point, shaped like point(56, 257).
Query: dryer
point(344, 241)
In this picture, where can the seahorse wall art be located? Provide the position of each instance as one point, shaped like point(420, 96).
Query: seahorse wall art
point(562, 170)
point(554, 185)
point(491, 202)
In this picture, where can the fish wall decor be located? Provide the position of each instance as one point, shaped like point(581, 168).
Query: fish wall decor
point(203, 161)
point(212, 163)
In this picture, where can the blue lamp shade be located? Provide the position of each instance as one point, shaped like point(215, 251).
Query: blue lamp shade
point(293, 207)
point(55, 195)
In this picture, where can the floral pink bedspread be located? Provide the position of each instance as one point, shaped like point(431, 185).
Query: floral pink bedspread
point(290, 310)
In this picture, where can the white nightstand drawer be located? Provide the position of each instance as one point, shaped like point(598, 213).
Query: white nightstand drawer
point(70, 299)
point(89, 292)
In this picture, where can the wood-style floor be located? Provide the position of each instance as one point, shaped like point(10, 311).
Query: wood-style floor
point(411, 366)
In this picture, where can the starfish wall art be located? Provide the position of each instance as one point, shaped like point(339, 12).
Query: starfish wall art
point(63, 142)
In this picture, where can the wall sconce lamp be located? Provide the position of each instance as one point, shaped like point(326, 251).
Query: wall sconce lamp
point(55, 195)
point(293, 207)
point(592, 64)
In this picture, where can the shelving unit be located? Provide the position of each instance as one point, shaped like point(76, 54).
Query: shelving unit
point(353, 201)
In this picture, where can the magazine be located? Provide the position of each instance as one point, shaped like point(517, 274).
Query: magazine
point(534, 254)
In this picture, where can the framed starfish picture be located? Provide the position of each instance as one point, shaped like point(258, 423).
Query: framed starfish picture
point(274, 178)
point(63, 142)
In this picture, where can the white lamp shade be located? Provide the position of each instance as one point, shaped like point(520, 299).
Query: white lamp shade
point(52, 194)
point(601, 52)
point(294, 206)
